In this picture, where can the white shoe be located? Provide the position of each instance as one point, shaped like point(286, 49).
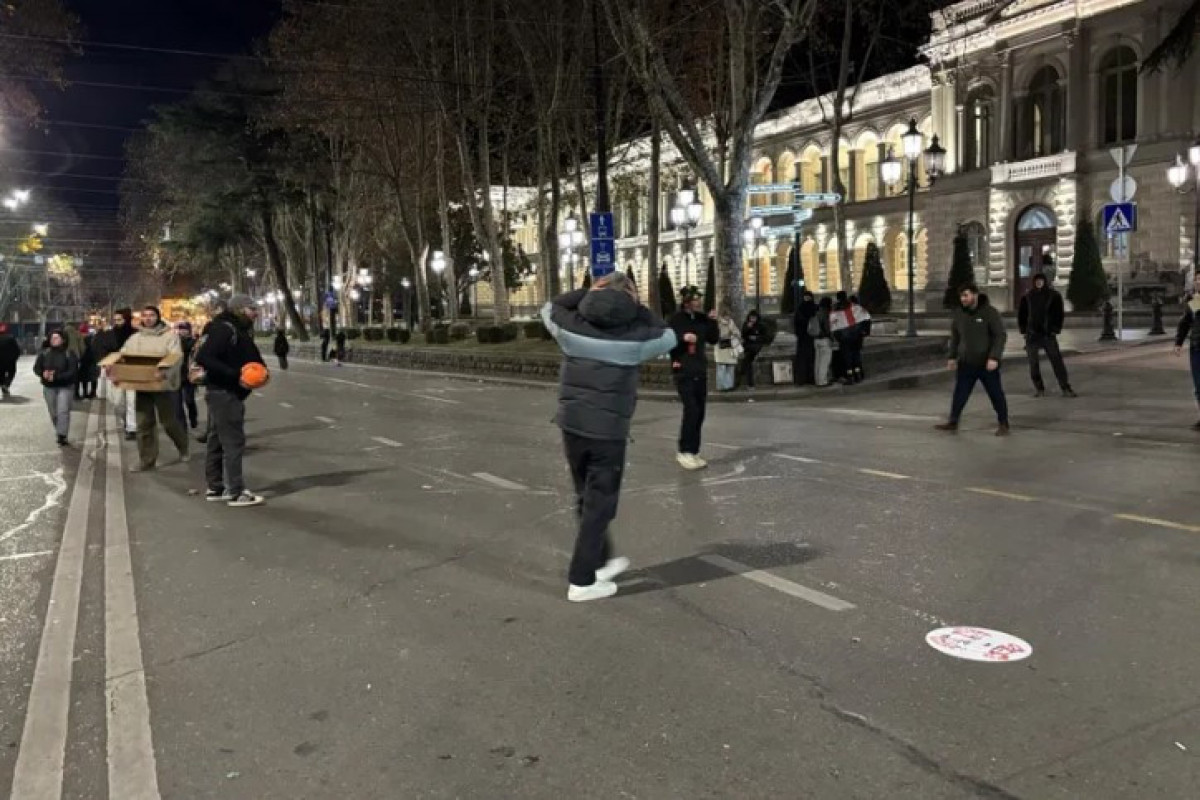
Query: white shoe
point(687, 461)
point(597, 591)
point(699, 462)
point(245, 500)
point(612, 568)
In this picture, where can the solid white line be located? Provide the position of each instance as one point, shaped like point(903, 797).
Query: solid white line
point(801, 459)
point(20, 556)
point(326, 420)
point(58, 487)
point(881, 474)
point(286, 405)
point(1162, 523)
point(779, 584)
point(38, 774)
point(131, 766)
point(503, 483)
point(445, 400)
point(388, 442)
point(723, 446)
point(1024, 498)
point(868, 414)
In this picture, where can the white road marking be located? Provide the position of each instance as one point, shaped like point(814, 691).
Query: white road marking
point(779, 584)
point(38, 774)
point(1024, 498)
point(326, 420)
point(881, 474)
point(58, 487)
point(801, 459)
point(286, 405)
point(385, 440)
point(503, 483)
point(21, 556)
point(259, 394)
point(749, 479)
point(1162, 523)
point(132, 771)
point(32, 476)
point(351, 383)
point(867, 413)
point(445, 400)
point(723, 446)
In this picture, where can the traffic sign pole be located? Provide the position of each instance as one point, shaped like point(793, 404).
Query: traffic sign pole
point(1122, 155)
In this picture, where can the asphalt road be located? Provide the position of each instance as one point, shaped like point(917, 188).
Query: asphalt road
point(393, 623)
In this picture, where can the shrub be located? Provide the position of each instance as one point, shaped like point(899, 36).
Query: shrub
point(459, 331)
point(666, 293)
point(535, 330)
point(487, 334)
point(439, 334)
point(373, 334)
point(510, 332)
point(497, 334)
point(873, 291)
point(1087, 288)
point(353, 333)
point(393, 334)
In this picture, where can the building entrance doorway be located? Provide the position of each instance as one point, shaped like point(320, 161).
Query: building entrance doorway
point(1036, 250)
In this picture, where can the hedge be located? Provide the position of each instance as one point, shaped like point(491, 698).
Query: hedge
point(498, 334)
point(373, 334)
point(459, 331)
point(536, 330)
point(398, 335)
point(352, 333)
point(438, 335)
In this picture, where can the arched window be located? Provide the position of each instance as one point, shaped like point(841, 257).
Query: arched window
point(977, 138)
point(977, 245)
point(1118, 96)
point(1045, 114)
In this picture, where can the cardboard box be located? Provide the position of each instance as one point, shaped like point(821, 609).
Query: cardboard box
point(138, 373)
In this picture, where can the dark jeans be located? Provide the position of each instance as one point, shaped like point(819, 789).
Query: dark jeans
point(185, 406)
point(324, 349)
point(804, 366)
point(965, 384)
point(748, 365)
point(7, 375)
point(1196, 372)
point(86, 387)
point(852, 361)
point(693, 392)
point(596, 469)
point(282, 361)
point(226, 442)
point(154, 409)
point(1034, 343)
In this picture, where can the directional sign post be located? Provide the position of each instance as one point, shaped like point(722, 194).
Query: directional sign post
point(799, 209)
point(604, 247)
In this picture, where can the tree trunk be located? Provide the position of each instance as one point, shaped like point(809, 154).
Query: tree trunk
point(275, 259)
point(444, 221)
point(727, 246)
point(652, 221)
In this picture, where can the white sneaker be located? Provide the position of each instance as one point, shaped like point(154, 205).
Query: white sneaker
point(691, 462)
point(597, 591)
point(699, 462)
point(612, 568)
point(244, 500)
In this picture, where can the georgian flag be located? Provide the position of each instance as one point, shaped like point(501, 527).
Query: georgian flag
point(848, 317)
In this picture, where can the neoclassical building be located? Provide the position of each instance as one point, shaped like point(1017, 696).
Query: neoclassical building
point(1027, 96)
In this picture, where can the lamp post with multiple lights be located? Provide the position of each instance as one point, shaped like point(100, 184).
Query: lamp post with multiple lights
point(753, 236)
point(685, 216)
point(1178, 174)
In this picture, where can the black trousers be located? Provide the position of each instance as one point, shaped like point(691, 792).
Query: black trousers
point(7, 374)
point(282, 361)
point(693, 392)
point(597, 466)
point(748, 365)
point(1034, 344)
point(965, 384)
point(86, 385)
point(804, 366)
point(324, 349)
point(852, 361)
point(185, 406)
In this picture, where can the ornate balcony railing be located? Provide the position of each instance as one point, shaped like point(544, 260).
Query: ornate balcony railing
point(1035, 169)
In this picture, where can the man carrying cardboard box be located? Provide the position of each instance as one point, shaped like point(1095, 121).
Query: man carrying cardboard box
point(155, 399)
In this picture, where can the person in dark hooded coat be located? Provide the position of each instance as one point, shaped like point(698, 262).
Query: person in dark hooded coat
point(10, 353)
point(604, 334)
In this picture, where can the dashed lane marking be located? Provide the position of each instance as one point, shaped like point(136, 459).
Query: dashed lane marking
point(22, 556)
point(286, 405)
point(1162, 523)
point(326, 420)
point(386, 441)
point(445, 400)
point(502, 483)
point(787, 587)
point(723, 446)
point(869, 414)
point(1023, 498)
point(350, 383)
point(896, 476)
point(800, 459)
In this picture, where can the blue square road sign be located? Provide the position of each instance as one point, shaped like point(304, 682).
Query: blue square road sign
point(1120, 218)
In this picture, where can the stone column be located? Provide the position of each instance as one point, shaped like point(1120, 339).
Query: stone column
point(1077, 92)
point(1007, 108)
point(880, 186)
point(961, 141)
point(856, 157)
point(1022, 142)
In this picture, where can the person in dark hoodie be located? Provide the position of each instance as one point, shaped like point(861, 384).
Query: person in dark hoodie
point(85, 385)
point(977, 340)
point(107, 343)
point(10, 354)
point(689, 362)
point(325, 344)
point(229, 347)
point(804, 366)
point(1188, 333)
point(57, 368)
point(1040, 319)
point(604, 334)
point(282, 348)
point(754, 339)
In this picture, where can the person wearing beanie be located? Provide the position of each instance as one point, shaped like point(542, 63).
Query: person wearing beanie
point(1040, 319)
point(156, 339)
point(228, 346)
point(693, 331)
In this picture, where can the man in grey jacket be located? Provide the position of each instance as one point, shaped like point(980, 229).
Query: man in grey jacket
point(604, 334)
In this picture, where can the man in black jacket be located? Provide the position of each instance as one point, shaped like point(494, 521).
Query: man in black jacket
point(1188, 333)
point(107, 343)
point(604, 334)
point(10, 353)
point(693, 330)
point(1040, 319)
point(228, 348)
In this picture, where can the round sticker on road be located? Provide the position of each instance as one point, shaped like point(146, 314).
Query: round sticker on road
point(979, 644)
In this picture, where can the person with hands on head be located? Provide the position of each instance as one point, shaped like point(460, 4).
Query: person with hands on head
point(228, 348)
point(977, 340)
point(694, 331)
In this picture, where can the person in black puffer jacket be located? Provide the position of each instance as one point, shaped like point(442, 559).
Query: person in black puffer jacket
point(693, 331)
point(1189, 331)
point(57, 368)
point(604, 334)
point(1040, 319)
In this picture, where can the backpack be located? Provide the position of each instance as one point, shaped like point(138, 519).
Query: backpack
point(196, 374)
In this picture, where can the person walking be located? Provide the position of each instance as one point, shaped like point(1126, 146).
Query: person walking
point(109, 342)
point(1189, 331)
point(1040, 320)
point(754, 339)
point(693, 332)
point(340, 354)
point(604, 334)
point(156, 339)
point(228, 348)
point(282, 348)
point(822, 342)
point(977, 340)
point(729, 350)
point(325, 344)
point(85, 386)
point(10, 354)
point(804, 365)
point(185, 399)
point(58, 368)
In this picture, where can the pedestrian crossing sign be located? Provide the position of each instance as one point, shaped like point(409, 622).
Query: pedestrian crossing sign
point(1120, 218)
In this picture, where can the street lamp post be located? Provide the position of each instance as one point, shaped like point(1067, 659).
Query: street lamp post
point(753, 236)
point(438, 264)
point(364, 280)
point(406, 284)
point(1177, 174)
point(935, 161)
point(685, 214)
point(473, 274)
point(569, 241)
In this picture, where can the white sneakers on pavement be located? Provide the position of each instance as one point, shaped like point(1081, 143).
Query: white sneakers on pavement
point(597, 591)
point(612, 568)
point(690, 461)
point(244, 500)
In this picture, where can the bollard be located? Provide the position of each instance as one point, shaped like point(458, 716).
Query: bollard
point(1108, 334)
point(1156, 325)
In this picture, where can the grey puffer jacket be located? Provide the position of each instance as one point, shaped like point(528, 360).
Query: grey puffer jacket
point(604, 335)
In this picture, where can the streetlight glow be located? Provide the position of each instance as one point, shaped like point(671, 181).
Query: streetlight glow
point(913, 140)
point(1177, 173)
point(1194, 154)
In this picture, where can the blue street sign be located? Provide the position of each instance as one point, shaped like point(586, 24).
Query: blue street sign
point(602, 226)
point(331, 300)
point(1120, 218)
point(604, 257)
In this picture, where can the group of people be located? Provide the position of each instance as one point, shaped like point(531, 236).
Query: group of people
point(738, 348)
point(830, 337)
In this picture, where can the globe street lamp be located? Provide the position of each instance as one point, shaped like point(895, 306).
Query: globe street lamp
point(753, 236)
point(1177, 174)
point(685, 215)
point(438, 264)
point(473, 274)
point(569, 241)
point(16, 199)
point(406, 285)
point(935, 162)
point(363, 279)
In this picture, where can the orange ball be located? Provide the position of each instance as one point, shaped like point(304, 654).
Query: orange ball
point(255, 375)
